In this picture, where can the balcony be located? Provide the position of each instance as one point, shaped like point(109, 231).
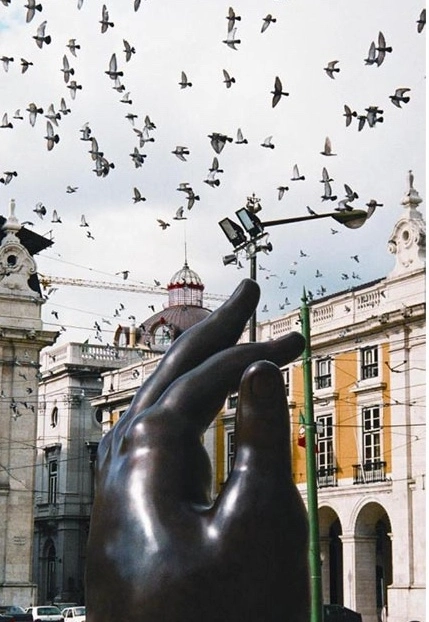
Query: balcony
point(327, 477)
point(369, 472)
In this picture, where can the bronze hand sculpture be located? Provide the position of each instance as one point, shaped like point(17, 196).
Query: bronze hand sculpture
point(160, 550)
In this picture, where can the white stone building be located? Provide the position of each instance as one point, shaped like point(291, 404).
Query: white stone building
point(22, 336)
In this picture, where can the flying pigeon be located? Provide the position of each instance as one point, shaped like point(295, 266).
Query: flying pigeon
point(8, 176)
point(34, 111)
point(296, 174)
point(63, 107)
point(86, 132)
point(25, 64)
point(5, 123)
point(138, 196)
point(163, 224)
point(103, 167)
point(52, 115)
point(125, 274)
point(113, 72)
point(125, 99)
point(281, 190)
point(232, 18)
point(51, 137)
point(325, 175)
point(179, 214)
point(40, 36)
point(95, 151)
point(327, 193)
point(71, 189)
point(129, 50)
point(371, 59)
point(6, 60)
point(218, 141)
point(400, 97)
point(31, 7)
point(331, 68)
point(373, 115)
point(137, 157)
point(240, 139)
point(381, 49)
point(266, 21)
point(55, 217)
point(421, 21)
point(228, 80)
point(211, 181)
point(327, 149)
point(181, 152)
point(215, 166)
point(73, 46)
point(184, 82)
point(105, 23)
point(40, 210)
point(150, 125)
point(348, 114)
point(144, 136)
point(230, 40)
point(278, 92)
point(268, 142)
point(73, 86)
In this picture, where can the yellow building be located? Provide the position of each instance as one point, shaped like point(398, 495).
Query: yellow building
point(368, 358)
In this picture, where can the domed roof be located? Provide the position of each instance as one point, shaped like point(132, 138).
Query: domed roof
point(185, 308)
point(185, 277)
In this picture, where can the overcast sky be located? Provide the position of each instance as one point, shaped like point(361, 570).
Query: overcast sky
point(171, 36)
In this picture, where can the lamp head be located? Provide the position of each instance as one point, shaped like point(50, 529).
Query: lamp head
point(229, 259)
point(233, 232)
point(250, 222)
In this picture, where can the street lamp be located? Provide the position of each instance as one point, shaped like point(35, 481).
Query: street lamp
point(250, 237)
point(258, 241)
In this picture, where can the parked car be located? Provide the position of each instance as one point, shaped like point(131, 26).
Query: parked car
point(74, 614)
point(16, 612)
point(46, 613)
point(338, 613)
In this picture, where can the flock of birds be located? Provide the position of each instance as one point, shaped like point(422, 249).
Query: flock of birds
point(102, 164)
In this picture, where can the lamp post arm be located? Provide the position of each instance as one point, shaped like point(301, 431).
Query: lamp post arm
point(356, 217)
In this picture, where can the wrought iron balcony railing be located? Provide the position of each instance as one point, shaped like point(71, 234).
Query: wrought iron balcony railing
point(369, 472)
point(327, 477)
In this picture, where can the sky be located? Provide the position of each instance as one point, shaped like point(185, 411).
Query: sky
point(171, 36)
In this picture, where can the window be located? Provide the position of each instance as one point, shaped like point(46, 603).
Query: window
point(369, 362)
point(373, 468)
point(162, 334)
point(286, 379)
point(232, 401)
point(323, 377)
point(371, 430)
point(52, 481)
point(326, 470)
point(230, 449)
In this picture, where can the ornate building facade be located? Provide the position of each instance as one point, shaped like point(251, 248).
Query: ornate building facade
point(22, 337)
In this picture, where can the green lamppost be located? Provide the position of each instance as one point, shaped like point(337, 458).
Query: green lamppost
point(310, 458)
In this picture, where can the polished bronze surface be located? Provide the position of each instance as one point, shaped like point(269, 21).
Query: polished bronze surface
point(160, 549)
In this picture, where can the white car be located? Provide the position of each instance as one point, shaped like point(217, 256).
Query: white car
point(46, 613)
point(75, 614)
